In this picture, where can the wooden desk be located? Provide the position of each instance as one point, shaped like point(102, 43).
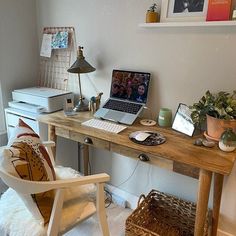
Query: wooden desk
point(176, 152)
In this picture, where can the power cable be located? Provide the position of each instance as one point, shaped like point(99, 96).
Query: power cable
point(117, 186)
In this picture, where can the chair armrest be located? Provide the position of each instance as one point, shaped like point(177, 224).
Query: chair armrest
point(48, 145)
point(33, 187)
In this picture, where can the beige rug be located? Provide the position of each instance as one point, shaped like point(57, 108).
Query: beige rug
point(116, 217)
point(116, 221)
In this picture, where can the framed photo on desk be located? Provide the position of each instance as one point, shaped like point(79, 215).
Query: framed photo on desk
point(182, 121)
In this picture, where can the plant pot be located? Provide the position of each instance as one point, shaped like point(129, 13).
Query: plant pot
point(215, 126)
point(152, 17)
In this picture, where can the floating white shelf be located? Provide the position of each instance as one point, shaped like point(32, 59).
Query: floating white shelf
point(188, 24)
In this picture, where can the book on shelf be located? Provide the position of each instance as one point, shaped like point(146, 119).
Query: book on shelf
point(219, 10)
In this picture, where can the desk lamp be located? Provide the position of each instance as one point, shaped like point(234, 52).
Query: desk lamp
point(81, 66)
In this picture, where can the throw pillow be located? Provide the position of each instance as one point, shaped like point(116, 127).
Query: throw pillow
point(28, 159)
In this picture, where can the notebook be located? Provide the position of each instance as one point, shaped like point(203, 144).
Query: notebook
point(128, 96)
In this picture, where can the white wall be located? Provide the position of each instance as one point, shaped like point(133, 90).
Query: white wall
point(184, 63)
point(3, 133)
point(2, 125)
point(18, 51)
point(18, 45)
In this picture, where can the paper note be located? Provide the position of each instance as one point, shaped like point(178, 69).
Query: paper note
point(46, 47)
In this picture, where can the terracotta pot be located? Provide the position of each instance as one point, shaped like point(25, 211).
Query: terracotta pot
point(215, 127)
point(152, 17)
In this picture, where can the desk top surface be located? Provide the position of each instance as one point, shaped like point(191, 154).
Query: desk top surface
point(178, 147)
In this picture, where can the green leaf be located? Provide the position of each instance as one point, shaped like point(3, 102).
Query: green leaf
point(220, 105)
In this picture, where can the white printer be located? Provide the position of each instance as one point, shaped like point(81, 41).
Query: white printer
point(28, 105)
point(39, 99)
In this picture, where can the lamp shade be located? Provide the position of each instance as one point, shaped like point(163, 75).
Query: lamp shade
point(81, 65)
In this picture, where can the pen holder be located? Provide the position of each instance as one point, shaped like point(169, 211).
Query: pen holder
point(165, 117)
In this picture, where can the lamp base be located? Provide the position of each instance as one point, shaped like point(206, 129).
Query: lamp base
point(81, 106)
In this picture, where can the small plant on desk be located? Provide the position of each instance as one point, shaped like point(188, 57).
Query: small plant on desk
point(152, 15)
point(153, 7)
point(218, 109)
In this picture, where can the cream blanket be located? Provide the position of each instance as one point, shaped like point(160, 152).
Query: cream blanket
point(15, 218)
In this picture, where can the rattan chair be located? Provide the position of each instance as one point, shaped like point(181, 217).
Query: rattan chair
point(59, 215)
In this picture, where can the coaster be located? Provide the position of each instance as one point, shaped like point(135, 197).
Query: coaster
point(152, 140)
point(147, 122)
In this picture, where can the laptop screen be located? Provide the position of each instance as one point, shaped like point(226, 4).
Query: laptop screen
point(130, 85)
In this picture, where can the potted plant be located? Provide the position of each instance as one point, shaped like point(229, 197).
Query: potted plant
point(217, 110)
point(152, 15)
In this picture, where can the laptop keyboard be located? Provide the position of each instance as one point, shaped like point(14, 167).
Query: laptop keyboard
point(127, 107)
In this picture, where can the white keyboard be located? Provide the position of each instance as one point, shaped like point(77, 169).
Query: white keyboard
point(104, 125)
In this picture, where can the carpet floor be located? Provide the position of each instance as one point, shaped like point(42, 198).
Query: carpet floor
point(116, 217)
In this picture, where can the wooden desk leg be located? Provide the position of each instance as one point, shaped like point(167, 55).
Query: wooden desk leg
point(86, 158)
point(52, 137)
point(202, 201)
point(218, 184)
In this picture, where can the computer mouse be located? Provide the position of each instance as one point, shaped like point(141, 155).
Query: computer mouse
point(142, 136)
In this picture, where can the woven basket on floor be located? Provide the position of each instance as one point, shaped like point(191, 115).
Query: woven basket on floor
point(160, 214)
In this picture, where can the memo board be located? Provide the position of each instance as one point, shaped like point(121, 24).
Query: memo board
point(53, 70)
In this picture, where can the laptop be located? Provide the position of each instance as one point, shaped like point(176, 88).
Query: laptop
point(128, 96)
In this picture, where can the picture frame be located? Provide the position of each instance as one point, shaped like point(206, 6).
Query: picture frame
point(181, 10)
point(182, 120)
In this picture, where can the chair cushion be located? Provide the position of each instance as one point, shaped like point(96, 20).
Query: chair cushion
point(75, 192)
point(27, 158)
point(78, 204)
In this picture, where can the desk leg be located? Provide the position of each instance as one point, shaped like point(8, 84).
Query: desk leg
point(218, 184)
point(52, 137)
point(86, 158)
point(202, 201)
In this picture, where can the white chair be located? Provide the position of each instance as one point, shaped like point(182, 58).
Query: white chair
point(60, 221)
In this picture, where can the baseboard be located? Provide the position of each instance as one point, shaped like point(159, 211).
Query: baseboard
point(131, 200)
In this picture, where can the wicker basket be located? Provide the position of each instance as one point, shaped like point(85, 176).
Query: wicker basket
point(160, 214)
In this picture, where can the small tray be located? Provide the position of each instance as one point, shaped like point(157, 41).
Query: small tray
point(153, 140)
